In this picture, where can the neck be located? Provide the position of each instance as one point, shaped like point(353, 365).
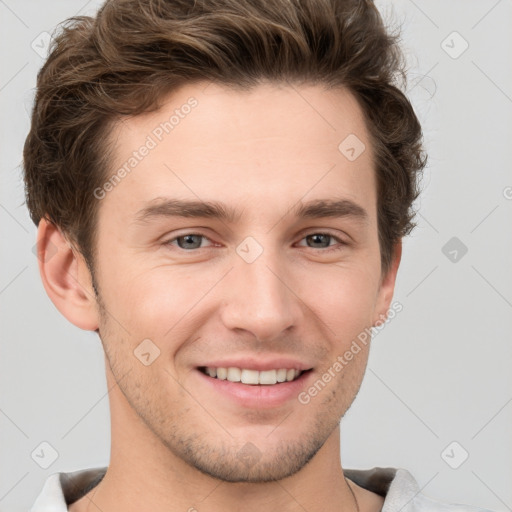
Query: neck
point(144, 475)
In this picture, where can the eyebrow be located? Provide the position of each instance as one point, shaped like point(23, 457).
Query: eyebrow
point(318, 208)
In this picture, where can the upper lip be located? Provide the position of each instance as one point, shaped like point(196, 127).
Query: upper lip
point(250, 363)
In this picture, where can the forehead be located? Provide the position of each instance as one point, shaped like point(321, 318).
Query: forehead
point(275, 144)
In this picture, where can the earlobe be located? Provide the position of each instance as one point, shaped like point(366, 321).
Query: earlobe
point(66, 277)
point(387, 286)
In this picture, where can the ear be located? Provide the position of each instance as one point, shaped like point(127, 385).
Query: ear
point(66, 277)
point(387, 286)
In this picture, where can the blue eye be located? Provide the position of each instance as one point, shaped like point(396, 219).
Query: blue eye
point(192, 241)
point(189, 243)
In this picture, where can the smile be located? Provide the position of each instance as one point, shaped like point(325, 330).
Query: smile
point(254, 377)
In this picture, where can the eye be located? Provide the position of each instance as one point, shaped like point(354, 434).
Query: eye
point(187, 241)
point(191, 241)
point(323, 240)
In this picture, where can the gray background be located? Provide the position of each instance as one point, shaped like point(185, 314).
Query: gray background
point(439, 372)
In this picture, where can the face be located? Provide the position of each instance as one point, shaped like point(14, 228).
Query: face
point(280, 271)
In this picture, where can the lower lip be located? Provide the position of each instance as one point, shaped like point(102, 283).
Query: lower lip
point(258, 396)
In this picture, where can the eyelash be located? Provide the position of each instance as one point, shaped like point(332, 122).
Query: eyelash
point(342, 243)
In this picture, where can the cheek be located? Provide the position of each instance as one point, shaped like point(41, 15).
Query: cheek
point(343, 296)
point(156, 303)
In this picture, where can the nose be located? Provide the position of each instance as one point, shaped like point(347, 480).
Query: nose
point(260, 299)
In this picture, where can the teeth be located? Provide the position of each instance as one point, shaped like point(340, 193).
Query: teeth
point(250, 377)
point(281, 375)
point(268, 377)
point(246, 376)
point(234, 374)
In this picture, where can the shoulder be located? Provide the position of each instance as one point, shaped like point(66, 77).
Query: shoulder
point(405, 495)
point(62, 489)
point(401, 491)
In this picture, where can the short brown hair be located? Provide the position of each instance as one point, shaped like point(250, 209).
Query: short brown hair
point(134, 52)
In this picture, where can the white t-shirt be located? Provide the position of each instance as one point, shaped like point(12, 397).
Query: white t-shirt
point(398, 486)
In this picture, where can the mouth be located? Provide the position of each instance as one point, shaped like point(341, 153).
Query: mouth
point(262, 385)
point(253, 377)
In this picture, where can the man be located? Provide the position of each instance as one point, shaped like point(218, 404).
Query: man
point(221, 189)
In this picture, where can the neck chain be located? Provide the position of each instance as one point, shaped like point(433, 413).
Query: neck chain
point(353, 495)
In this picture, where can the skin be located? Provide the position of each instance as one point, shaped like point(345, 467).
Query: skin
point(176, 441)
